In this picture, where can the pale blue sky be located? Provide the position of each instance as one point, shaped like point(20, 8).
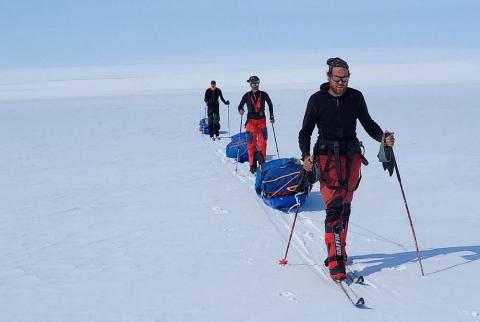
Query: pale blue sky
point(61, 32)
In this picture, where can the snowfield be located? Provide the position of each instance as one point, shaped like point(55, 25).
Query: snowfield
point(113, 207)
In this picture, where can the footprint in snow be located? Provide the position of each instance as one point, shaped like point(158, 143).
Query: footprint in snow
point(219, 211)
point(288, 295)
point(309, 235)
point(307, 220)
point(397, 268)
point(250, 261)
point(472, 314)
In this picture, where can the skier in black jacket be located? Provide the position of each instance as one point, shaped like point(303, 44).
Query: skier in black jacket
point(337, 154)
point(211, 98)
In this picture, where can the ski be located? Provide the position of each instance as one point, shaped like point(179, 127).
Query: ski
point(347, 288)
point(354, 298)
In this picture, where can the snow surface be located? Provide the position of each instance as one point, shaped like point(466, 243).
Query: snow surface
point(113, 207)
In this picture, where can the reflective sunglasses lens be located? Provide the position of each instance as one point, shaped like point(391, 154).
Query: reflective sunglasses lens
point(337, 79)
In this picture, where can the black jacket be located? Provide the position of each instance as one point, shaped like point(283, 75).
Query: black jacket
point(250, 99)
point(336, 118)
point(211, 97)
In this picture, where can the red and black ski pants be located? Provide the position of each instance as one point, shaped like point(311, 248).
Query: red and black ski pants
point(257, 135)
point(337, 194)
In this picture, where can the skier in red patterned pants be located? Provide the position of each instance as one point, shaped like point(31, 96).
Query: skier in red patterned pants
point(337, 154)
point(256, 125)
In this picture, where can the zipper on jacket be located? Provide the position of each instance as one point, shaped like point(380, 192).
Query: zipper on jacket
point(340, 117)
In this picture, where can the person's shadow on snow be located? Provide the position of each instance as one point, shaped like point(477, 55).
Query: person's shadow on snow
point(379, 261)
point(314, 202)
point(376, 262)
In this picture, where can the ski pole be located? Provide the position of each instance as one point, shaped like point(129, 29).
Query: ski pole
point(228, 117)
point(238, 148)
point(284, 260)
point(408, 212)
point(275, 137)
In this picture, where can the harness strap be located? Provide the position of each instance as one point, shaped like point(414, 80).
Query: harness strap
point(350, 152)
point(256, 102)
point(338, 164)
point(327, 163)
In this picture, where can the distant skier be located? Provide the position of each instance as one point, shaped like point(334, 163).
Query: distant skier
point(211, 98)
point(337, 154)
point(256, 126)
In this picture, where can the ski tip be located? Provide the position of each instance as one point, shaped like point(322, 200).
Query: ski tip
point(360, 280)
point(360, 302)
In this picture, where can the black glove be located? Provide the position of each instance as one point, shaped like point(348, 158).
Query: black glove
point(228, 103)
point(389, 165)
point(305, 181)
point(385, 155)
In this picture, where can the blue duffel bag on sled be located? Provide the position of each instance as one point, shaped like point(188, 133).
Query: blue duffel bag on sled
point(203, 126)
point(238, 146)
point(278, 181)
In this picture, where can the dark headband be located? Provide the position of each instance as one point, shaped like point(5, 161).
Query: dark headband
point(336, 62)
